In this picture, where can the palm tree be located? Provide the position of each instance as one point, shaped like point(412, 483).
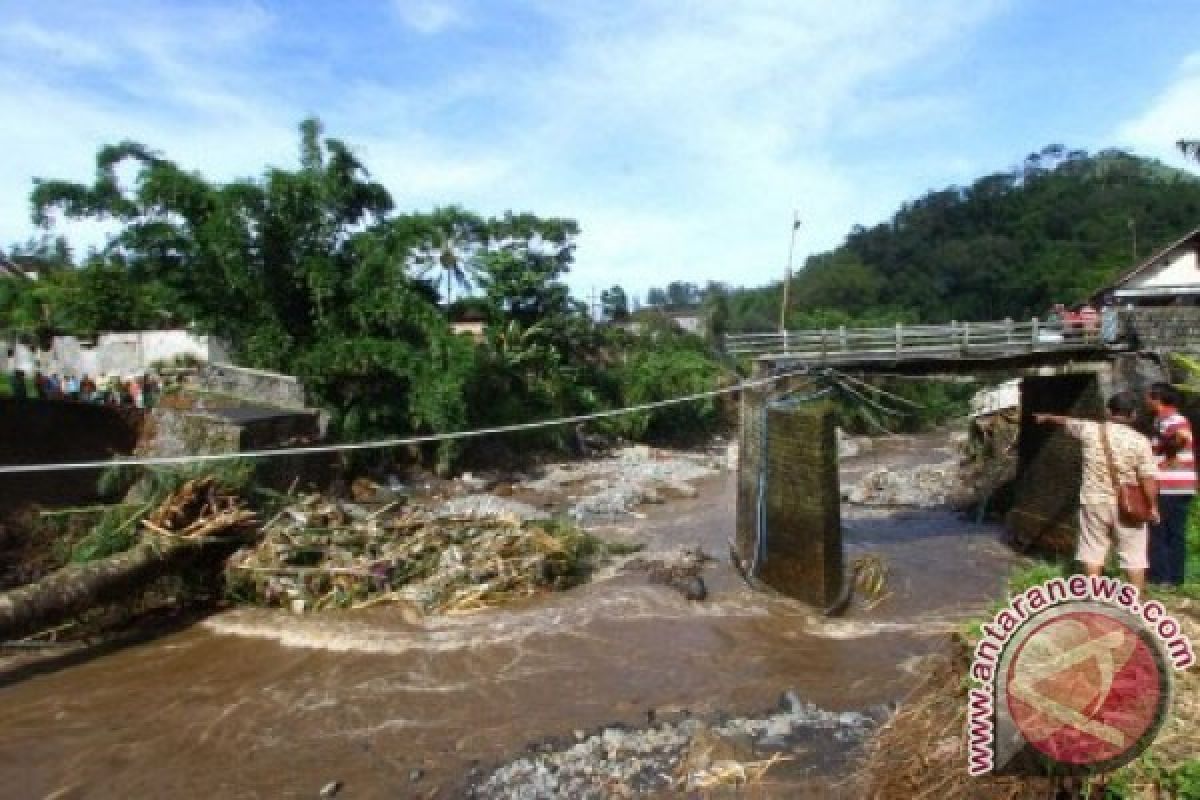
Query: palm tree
point(454, 239)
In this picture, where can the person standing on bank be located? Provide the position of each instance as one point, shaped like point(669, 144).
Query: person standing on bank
point(1114, 455)
point(1173, 448)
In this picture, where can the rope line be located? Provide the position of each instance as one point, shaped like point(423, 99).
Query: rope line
point(383, 444)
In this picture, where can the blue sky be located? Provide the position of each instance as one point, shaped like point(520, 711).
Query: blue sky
point(680, 134)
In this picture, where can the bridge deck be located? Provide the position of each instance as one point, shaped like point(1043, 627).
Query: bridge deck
point(954, 342)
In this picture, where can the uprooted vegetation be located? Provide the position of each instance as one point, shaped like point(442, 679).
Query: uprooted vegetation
point(193, 528)
point(317, 554)
point(176, 534)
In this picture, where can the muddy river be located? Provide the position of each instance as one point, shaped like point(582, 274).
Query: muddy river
point(267, 704)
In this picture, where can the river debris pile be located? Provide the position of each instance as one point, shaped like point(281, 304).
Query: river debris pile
point(199, 508)
point(319, 554)
point(684, 756)
point(922, 485)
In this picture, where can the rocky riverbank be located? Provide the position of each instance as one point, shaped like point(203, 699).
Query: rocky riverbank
point(687, 754)
point(597, 489)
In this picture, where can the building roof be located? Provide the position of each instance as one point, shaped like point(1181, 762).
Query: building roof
point(1192, 237)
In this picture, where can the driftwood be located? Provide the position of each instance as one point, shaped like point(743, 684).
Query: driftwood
point(196, 526)
point(76, 588)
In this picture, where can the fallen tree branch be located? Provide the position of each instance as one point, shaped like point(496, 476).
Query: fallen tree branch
point(193, 527)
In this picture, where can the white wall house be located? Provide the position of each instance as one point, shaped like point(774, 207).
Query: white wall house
point(1169, 277)
point(112, 354)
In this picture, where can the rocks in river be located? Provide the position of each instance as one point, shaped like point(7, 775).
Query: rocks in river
point(331, 789)
point(688, 754)
point(472, 482)
point(679, 570)
point(694, 589)
point(631, 477)
point(922, 486)
point(850, 446)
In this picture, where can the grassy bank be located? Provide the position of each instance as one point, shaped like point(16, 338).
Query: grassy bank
point(921, 752)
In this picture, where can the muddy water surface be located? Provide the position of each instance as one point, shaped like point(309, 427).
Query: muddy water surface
point(266, 704)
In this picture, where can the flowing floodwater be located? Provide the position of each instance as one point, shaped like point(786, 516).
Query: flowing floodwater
point(255, 703)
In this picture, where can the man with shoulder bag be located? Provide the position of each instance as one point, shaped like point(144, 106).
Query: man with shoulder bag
point(1119, 493)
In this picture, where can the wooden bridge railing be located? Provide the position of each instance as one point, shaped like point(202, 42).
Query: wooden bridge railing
point(909, 342)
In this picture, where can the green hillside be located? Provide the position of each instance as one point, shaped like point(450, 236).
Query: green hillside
point(1011, 244)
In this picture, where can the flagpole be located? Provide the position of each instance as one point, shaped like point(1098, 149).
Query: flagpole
point(787, 280)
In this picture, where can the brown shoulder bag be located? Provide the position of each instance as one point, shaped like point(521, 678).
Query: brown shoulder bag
point(1133, 507)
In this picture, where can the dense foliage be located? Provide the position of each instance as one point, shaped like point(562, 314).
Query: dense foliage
point(309, 272)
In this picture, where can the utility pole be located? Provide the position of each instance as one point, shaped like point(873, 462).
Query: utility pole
point(787, 275)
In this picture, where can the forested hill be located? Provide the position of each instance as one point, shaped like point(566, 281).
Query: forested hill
point(1011, 244)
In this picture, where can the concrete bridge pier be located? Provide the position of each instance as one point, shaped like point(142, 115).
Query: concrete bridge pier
point(789, 532)
point(1045, 511)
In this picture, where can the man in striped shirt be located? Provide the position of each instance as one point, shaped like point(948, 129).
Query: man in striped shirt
point(1173, 449)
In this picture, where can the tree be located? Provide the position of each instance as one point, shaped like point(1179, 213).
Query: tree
point(681, 294)
point(656, 298)
point(99, 298)
point(297, 270)
point(520, 272)
point(452, 242)
point(716, 311)
point(614, 303)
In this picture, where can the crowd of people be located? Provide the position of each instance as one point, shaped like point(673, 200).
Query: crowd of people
point(1117, 458)
point(1085, 320)
point(142, 391)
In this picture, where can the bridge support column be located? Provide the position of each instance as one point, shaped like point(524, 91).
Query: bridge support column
point(789, 531)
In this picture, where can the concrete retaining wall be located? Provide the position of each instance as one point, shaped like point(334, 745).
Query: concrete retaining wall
point(1171, 328)
point(1046, 500)
point(802, 499)
point(260, 386)
point(37, 432)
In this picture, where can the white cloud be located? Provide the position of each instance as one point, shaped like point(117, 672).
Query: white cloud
point(722, 119)
point(1170, 116)
point(681, 136)
point(154, 81)
point(429, 17)
point(25, 37)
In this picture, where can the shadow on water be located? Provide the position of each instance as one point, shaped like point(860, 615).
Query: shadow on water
point(18, 665)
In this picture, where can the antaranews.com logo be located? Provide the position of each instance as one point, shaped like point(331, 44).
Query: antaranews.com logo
point(1072, 676)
